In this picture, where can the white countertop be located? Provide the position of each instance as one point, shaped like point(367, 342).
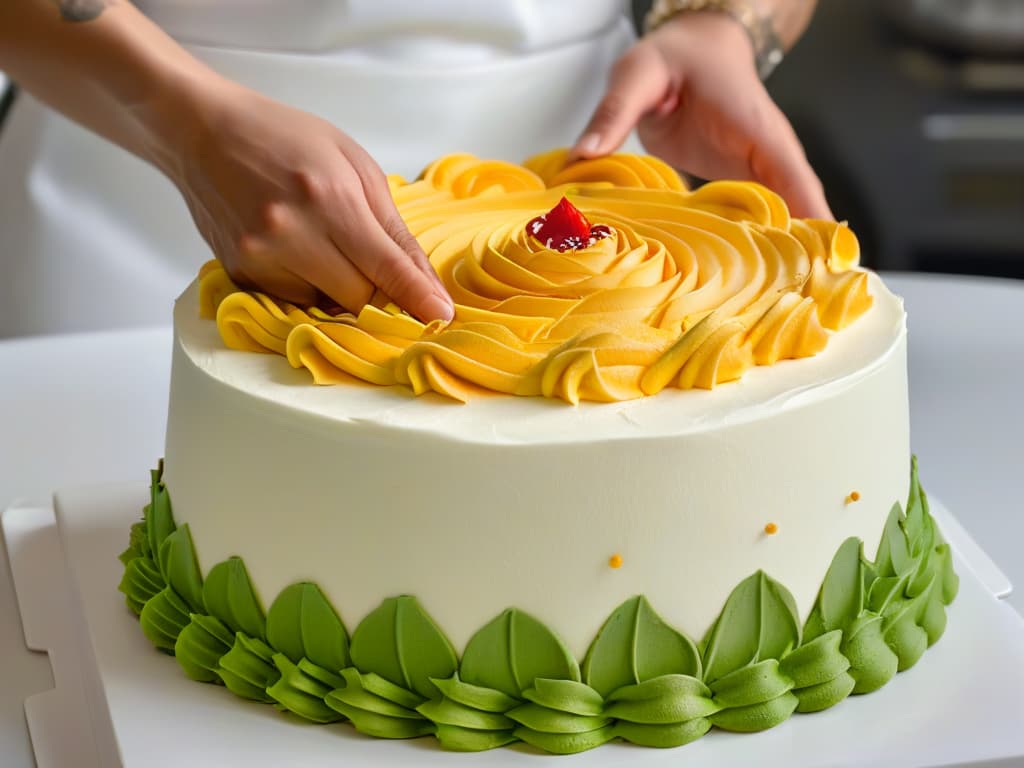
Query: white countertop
point(83, 409)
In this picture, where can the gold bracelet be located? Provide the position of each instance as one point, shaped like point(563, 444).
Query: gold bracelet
point(759, 28)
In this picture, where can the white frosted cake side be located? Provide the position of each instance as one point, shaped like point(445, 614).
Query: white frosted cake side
point(371, 492)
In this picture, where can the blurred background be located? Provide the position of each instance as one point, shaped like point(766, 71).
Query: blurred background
point(912, 112)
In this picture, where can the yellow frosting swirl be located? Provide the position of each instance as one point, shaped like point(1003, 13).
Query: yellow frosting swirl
point(690, 289)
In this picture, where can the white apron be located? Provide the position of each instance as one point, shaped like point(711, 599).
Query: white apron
point(91, 237)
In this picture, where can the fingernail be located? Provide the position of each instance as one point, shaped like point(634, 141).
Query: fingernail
point(588, 144)
point(436, 308)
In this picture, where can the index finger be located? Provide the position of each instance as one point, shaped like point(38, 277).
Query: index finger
point(777, 160)
point(390, 268)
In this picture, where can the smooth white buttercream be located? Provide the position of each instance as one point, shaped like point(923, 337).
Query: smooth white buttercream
point(506, 501)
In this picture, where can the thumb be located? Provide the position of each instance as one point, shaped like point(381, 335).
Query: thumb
point(637, 84)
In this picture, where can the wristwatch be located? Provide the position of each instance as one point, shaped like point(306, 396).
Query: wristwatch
point(767, 46)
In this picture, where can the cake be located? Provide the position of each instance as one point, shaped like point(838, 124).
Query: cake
point(654, 477)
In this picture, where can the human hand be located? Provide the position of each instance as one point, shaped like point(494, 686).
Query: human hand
point(294, 207)
point(691, 89)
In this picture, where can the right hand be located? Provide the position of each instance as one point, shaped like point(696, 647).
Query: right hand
point(691, 90)
point(292, 206)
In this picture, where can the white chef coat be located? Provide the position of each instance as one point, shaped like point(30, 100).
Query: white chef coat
point(91, 237)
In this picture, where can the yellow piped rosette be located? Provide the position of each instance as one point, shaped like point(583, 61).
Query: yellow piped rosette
point(690, 289)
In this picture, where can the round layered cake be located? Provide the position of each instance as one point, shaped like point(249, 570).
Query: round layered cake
point(664, 442)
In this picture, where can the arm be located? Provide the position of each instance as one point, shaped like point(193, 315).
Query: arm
point(691, 89)
point(101, 63)
point(286, 201)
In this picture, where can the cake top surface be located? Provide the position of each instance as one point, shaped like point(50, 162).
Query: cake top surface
point(602, 280)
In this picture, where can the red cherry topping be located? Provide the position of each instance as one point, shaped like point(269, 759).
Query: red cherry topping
point(565, 227)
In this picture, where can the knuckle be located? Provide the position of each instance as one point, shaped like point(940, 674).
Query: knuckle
point(313, 187)
point(397, 231)
point(274, 217)
point(248, 247)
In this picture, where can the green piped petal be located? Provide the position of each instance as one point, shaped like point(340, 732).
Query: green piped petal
point(659, 687)
point(884, 590)
point(815, 698)
point(158, 517)
point(248, 668)
point(924, 573)
point(302, 624)
point(475, 696)
point(933, 617)
point(757, 717)
point(448, 712)
point(662, 736)
point(901, 631)
point(751, 685)
point(374, 723)
point(950, 581)
point(759, 621)
point(320, 674)
point(402, 644)
point(301, 694)
point(662, 704)
point(634, 645)
point(513, 650)
point(815, 662)
point(229, 595)
point(566, 743)
point(663, 711)
point(872, 661)
point(200, 646)
point(457, 739)
point(378, 686)
point(538, 718)
point(916, 510)
point(352, 693)
point(141, 582)
point(181, 567)
point(841, 598)
point(819, 672)
point(894, 556)
point(565, 695)
point(163, 618)
point(137, 544)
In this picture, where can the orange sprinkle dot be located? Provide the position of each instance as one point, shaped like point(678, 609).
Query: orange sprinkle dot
point(852, 497)
point(771, 529)
point(615, 561)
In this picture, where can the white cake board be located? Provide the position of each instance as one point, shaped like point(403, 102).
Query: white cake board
point(119, 702)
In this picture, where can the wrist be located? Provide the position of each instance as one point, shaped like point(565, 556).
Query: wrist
point(175, 116)
point(158, 87)
point(704, 35)
point(753, 17)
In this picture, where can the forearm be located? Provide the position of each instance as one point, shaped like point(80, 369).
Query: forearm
point(106, 66)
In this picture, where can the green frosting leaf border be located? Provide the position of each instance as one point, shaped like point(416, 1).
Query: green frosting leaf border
point(397, 675)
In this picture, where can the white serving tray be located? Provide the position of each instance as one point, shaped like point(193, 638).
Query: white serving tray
point(117, 701)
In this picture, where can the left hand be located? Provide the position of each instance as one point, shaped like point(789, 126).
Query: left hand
point(691, 89)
